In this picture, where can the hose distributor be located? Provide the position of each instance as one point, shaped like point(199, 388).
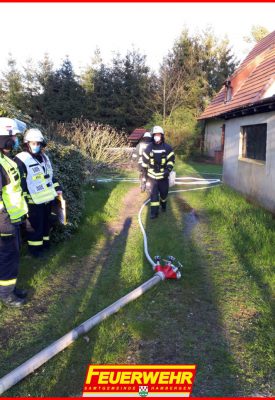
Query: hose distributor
point(169, 269)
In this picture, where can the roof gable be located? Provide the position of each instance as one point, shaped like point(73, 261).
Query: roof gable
point(137, 134)
point(251, 82)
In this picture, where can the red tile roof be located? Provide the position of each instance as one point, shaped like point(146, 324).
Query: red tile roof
point(137, 134)
point(249, 82)
point(260, 47)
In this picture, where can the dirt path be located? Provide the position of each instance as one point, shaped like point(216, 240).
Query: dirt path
point(63, 283)
point(189, 326)
point(130, 208)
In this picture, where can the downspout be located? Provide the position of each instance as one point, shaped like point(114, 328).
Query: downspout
point(202, 137)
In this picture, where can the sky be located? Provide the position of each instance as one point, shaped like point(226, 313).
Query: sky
point(29, 30)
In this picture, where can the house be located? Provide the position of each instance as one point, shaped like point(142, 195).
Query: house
point(240, 123)
point(136, 135)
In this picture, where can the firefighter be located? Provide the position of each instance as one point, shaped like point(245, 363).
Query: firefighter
point(157, 162)
point(40, 189)
point(137, 156)
point(13, 210)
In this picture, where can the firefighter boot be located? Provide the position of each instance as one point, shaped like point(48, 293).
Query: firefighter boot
point(154, 215)
point(9, 299)
point(13, 301)
point(163, 207)
point(36, 252)
point(21, 293)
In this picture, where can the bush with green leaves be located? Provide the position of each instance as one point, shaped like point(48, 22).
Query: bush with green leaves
point(181, 130)
point(69, 170)
point(8, 110)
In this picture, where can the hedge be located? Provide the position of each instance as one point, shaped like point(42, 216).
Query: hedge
point(69, 170)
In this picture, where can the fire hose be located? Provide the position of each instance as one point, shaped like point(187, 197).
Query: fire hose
point(162, 272)
point(177, 181)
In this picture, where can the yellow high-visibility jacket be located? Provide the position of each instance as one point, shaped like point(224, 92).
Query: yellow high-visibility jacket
point(12, 200)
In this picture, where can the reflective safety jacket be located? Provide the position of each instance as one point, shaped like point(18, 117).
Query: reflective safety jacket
point(158, 158)
point(12, 200)
point(138, 152)
point(38, 176)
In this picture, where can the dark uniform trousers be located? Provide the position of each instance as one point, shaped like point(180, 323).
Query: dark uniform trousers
point(37, 227)
point(159, 193)
point(9, 261)
point(158, 161)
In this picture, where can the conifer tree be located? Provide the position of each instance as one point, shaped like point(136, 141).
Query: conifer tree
point(63, 98)
point(12, 86)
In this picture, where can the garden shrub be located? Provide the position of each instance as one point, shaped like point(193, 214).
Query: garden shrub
point(69, 170)
point(102, 146)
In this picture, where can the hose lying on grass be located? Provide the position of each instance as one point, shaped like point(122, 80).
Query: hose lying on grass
point(56, 347)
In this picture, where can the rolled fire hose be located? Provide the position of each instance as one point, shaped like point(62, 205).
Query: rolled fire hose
point(49, 352)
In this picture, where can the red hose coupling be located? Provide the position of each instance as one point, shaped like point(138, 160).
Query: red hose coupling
point(168, 271)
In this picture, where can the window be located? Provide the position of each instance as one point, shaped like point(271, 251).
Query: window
point(254, 142)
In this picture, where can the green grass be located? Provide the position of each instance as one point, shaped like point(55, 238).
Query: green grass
point(193, 167)
point(63, 280)
point(219, 315)
point(243, 278)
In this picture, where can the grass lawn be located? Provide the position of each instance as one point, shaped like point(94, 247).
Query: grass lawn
point(219, 315)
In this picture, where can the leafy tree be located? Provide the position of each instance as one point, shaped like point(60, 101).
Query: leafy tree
point(218, 61)
point(191, 73)
point(258, 32)
point(8, 110)
point(182, 76)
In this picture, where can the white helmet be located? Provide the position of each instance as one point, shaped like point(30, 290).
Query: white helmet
point(157, 129)
point(147, 135)
point(5, 131)
point(8, 127)
point(33, 135)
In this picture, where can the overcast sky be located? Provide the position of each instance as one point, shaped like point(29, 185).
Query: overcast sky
point(76, 29)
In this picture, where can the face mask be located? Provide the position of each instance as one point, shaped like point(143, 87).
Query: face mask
point(35, 149)
point(16, 144)
point(157, 139)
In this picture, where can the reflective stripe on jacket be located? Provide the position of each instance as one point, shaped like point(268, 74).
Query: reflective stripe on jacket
point(138, 152)
point(12, 196)
point(39, 180)
point(156, 158)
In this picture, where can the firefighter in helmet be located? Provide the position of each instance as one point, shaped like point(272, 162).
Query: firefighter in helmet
point(137, 156)
point(157, 162)
point(40, 189)
point(13, 210)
